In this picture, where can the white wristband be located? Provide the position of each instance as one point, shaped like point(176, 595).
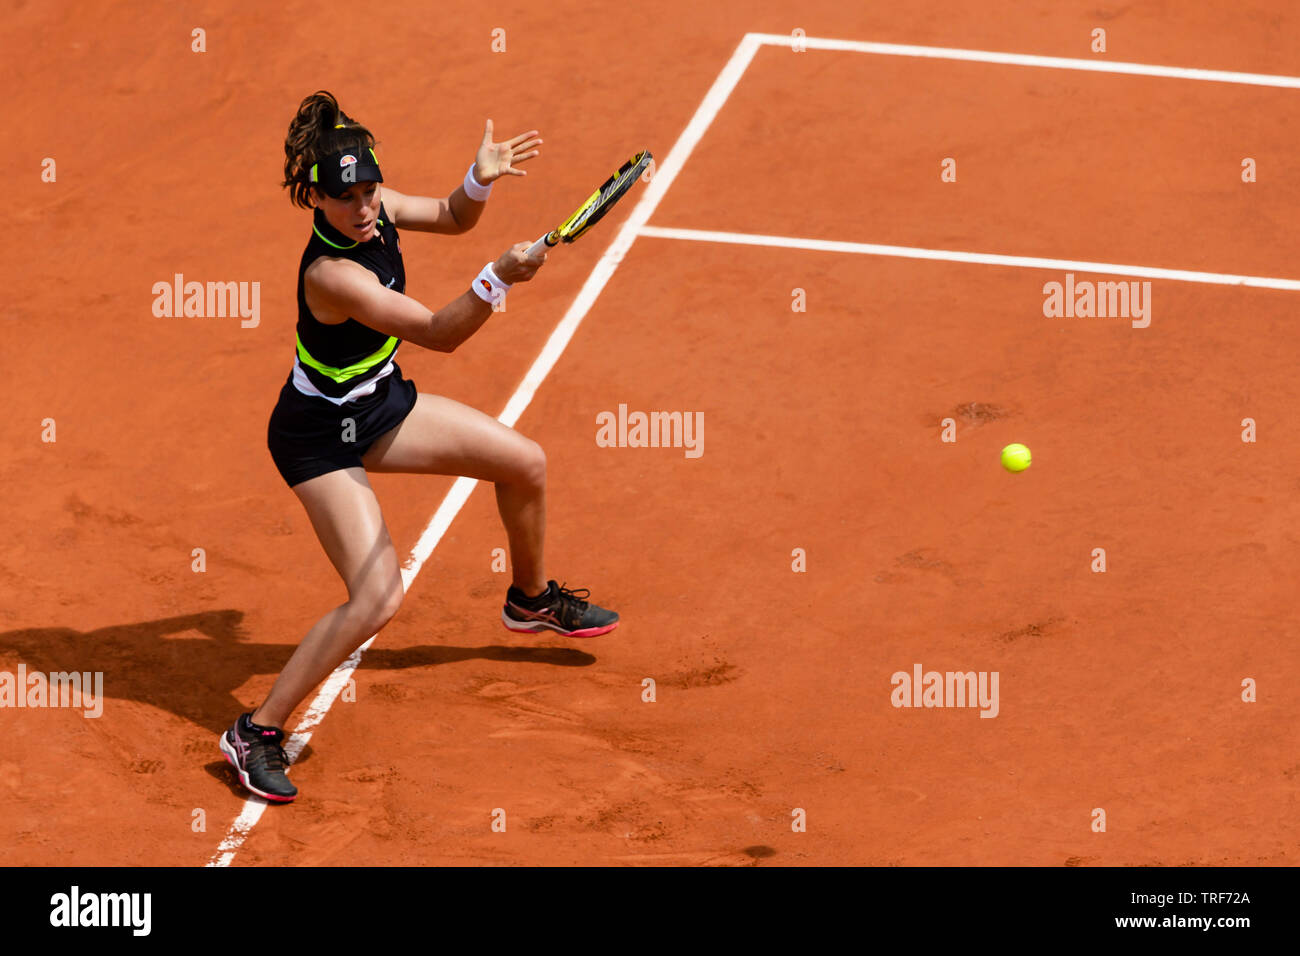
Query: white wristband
point(488, 287)
point(473, 188)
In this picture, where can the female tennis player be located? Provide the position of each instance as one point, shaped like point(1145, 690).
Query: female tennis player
point(346, 409)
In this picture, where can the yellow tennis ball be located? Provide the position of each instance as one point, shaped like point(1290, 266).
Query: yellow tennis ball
point(1015, 458)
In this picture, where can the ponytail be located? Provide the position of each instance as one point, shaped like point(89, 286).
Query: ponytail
point(319, 129)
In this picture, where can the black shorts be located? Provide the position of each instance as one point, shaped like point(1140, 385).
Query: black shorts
point(307, 434)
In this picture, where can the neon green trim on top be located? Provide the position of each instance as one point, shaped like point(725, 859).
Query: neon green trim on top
point(342, 375)
point(334, 244)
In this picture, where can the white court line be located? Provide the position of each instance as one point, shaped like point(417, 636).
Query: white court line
point(981, 258)
point(665, 173)
point(609, 261)
point(1099, 65)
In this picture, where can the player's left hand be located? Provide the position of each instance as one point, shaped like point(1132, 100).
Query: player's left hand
point(495, 160)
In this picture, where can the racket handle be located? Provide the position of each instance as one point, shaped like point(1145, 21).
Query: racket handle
point(538, 247)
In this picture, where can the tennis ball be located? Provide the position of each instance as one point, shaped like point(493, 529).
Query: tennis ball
point(1015, 458)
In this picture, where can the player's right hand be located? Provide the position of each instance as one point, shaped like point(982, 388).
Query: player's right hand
point(515, 265)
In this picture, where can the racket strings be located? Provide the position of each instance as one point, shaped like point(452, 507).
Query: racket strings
point(603, 199)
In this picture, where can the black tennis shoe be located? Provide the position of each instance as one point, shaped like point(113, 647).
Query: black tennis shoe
point(559, 609)
point(257, 754)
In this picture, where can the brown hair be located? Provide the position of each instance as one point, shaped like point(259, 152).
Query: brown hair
point(319, 129)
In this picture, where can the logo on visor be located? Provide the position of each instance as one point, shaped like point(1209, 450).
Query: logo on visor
point(347, 160)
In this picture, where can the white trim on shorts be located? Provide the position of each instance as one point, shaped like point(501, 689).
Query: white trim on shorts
point(303, 384)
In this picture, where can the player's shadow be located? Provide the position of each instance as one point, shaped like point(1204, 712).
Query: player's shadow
point(161, 664)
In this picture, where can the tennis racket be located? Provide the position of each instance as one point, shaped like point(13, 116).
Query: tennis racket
point(597, 204)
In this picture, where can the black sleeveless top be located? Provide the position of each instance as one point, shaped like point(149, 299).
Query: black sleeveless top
point(339, 358)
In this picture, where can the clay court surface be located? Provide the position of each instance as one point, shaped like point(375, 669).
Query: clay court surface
point(1118, 690)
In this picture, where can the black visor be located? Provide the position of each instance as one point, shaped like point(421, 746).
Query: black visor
point(338, 172)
